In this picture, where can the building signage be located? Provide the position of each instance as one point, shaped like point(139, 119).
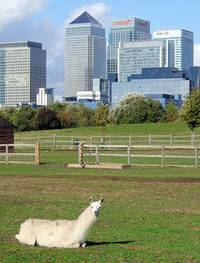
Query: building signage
point(127, 22)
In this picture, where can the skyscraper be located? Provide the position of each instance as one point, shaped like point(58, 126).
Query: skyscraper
point(179, 47)
point(124, 31)
point(134, 56)
point(22, 72)
point(85, 55)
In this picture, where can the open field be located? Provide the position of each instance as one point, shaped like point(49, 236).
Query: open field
point(125, 129)
point(149, 214)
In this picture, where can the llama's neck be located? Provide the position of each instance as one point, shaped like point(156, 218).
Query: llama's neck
point(86, 219)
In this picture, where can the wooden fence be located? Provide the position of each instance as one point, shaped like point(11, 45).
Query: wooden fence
point(20, 154)
point(183, 156)
point(72, 142)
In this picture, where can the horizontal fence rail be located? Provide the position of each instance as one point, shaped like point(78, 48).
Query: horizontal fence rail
point(72, 142)
point(20, 154)
point(163, 155)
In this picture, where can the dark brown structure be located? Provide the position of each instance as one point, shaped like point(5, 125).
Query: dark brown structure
point(6, 134)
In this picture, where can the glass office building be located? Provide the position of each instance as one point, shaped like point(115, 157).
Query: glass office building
point(124, 31)
point(22, 72)
point(179, 47)
point(85, 55)
point(179, 88)
point(134, 56)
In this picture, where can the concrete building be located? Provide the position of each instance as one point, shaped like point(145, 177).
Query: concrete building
point(45, 97)
point(179, 47)
point(179, 88)
point(85, 55)
point(101, 94)
point(124, 31)
point(158, 83)
point(22, 72)
point(134, 56)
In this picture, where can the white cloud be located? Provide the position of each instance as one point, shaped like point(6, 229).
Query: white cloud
point(197, 55)
point(16, 10)
point(17, 23)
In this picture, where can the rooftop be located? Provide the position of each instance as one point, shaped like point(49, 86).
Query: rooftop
point(85, 18)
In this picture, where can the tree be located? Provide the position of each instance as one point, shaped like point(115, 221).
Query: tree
point(191, 110)
point(46, 119)
point(23, 118)
point(131, 110)
point(102, 117)
point(171, 112)
point(155, 110)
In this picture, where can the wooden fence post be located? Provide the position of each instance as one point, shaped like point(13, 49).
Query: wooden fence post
point(54, 140)
point(128, 154)
point(171, 139)
point(163, 155)
point(80, 155)
point(196, 156)
point(7, 154)
point(192, 138)
point(130, 140)
point(97, 154)
point(37, 154)
point(150, 139)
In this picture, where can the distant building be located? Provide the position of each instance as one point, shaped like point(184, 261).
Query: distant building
point(45, 97)
point(155, 82)
point(134, 56)
point(85, 55)
point(179, 47)
point(194, 76)
point(99, 95)
point(22, 72)
point(124, 31)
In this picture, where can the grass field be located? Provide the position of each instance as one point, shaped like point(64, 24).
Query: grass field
point(149, 214)
point(126, 129)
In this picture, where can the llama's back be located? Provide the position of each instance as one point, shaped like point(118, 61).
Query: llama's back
point(44, 232)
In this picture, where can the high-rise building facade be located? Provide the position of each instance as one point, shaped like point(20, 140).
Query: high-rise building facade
point(85, 55)
point(124, 31)
point(134, 56)
point(45, 97)
point(179, 47)
point(22, 72)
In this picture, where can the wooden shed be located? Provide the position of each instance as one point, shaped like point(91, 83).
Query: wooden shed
point(6, 134)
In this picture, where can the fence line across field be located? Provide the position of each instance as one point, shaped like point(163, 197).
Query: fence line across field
point(9, 151)
point(72, 142)
point(97, 151)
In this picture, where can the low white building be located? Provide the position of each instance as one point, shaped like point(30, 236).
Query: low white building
point(45, 97)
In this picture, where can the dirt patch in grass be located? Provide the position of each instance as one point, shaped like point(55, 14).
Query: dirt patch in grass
point(184, 211)
point(142, 180)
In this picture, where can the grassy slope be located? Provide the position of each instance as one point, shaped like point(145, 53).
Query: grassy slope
point(126, 129)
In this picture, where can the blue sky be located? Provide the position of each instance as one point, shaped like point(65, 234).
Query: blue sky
point(162, 14)
point(44, 21)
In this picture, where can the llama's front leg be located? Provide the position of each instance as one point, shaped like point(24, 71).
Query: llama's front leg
point(83, 244)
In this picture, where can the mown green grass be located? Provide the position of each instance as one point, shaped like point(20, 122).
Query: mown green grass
point(149, 214)
point(126, 129)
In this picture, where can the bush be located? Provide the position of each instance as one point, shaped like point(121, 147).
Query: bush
point(46, 119)
point(22, 118)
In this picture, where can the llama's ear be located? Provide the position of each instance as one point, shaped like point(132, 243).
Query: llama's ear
point(91, 199)
point(101, 200)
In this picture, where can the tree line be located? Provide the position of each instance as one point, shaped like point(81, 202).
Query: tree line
point(133, 109)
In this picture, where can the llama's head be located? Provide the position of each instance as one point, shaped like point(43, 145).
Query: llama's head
point(95, 205)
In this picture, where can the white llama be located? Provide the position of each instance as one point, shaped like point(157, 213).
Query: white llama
point(60, 233)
